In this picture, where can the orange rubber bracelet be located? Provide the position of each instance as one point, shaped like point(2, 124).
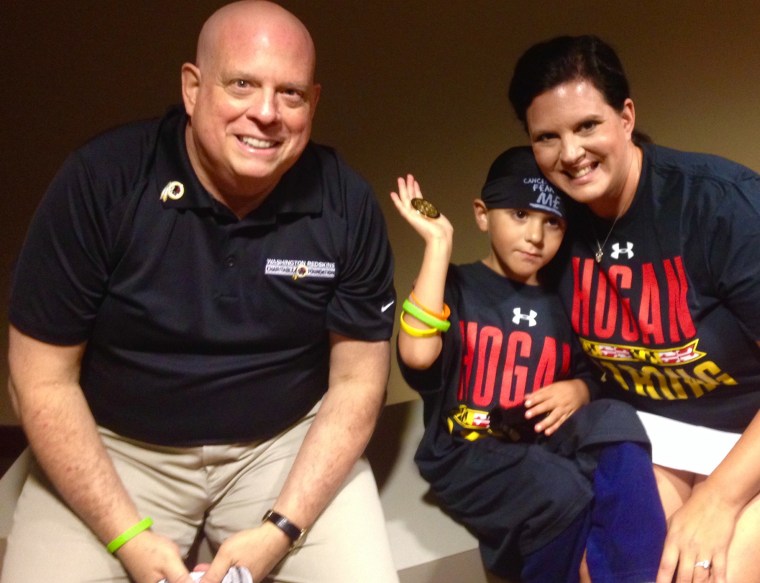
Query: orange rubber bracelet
point(440, 315)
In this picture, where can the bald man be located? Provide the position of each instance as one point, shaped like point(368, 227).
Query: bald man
point(199, 339)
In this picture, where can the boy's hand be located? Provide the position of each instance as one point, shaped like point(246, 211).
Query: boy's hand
point(437, 229)
point(558, 400)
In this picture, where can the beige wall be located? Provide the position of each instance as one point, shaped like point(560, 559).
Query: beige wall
point(408, 86)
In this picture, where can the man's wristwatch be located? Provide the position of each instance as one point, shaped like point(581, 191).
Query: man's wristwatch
point(294, 533)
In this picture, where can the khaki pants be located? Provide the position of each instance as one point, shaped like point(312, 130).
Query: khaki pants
point(217, 490)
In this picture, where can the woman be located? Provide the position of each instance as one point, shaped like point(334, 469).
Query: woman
point(662, 284)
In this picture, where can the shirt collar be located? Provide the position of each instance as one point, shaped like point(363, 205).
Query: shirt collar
point(298, 192)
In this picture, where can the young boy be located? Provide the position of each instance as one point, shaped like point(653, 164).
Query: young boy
point(514, 448)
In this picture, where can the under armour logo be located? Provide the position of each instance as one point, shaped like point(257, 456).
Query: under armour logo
point(519, 316)
point(616, 250)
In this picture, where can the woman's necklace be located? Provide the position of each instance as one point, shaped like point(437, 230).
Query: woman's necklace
point(599, 253)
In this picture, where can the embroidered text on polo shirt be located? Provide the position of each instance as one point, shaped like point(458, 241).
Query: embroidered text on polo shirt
point(300, 268)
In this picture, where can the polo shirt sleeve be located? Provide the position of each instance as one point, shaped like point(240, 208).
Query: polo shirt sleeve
point(61, 273)
point(363, 306)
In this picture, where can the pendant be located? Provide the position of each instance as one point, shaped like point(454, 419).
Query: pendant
point(598, 255)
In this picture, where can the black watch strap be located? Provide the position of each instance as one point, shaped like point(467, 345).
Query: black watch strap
point(294, 533)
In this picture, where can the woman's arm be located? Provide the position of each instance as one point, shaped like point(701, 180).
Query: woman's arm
point(702, 529)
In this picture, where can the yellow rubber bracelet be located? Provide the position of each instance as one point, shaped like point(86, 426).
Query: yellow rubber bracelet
point(129, 534)
point(416, 332)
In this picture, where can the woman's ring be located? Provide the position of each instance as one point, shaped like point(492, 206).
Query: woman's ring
point(704, 564)
point(425, 208)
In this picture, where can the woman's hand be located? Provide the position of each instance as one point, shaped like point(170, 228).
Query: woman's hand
point(701, 530)
point(704, 527)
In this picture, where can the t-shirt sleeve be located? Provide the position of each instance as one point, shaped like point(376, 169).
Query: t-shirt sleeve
point(731, 245)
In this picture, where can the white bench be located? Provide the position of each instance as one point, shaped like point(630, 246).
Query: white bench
point(10, 488)
point(427, 545)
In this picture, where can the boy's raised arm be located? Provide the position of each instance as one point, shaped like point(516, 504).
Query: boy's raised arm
point(427, 292)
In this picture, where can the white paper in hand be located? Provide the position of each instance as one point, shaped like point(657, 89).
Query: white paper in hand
point(234, 575)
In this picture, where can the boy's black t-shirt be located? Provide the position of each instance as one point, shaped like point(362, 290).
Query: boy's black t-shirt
point(507, 340)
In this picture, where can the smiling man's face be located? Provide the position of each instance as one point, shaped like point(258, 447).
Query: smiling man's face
point(251, 101)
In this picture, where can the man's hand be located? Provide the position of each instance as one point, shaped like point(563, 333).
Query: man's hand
point(258, 549)
point(335, 440)
point(150, 557)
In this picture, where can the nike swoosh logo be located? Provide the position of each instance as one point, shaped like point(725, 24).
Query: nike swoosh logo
point(386, 306)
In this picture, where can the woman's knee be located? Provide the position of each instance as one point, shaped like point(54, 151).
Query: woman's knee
point(674, 487)
point(742, 554)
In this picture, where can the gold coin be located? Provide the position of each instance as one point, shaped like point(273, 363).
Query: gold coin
point(426, 208)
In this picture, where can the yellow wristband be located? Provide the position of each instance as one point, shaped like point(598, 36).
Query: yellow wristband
point(129, 534)
point(416, 332)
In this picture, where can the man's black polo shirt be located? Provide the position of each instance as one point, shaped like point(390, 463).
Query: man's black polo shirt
point(201, 328)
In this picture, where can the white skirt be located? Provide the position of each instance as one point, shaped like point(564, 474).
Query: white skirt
point(683, 446)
